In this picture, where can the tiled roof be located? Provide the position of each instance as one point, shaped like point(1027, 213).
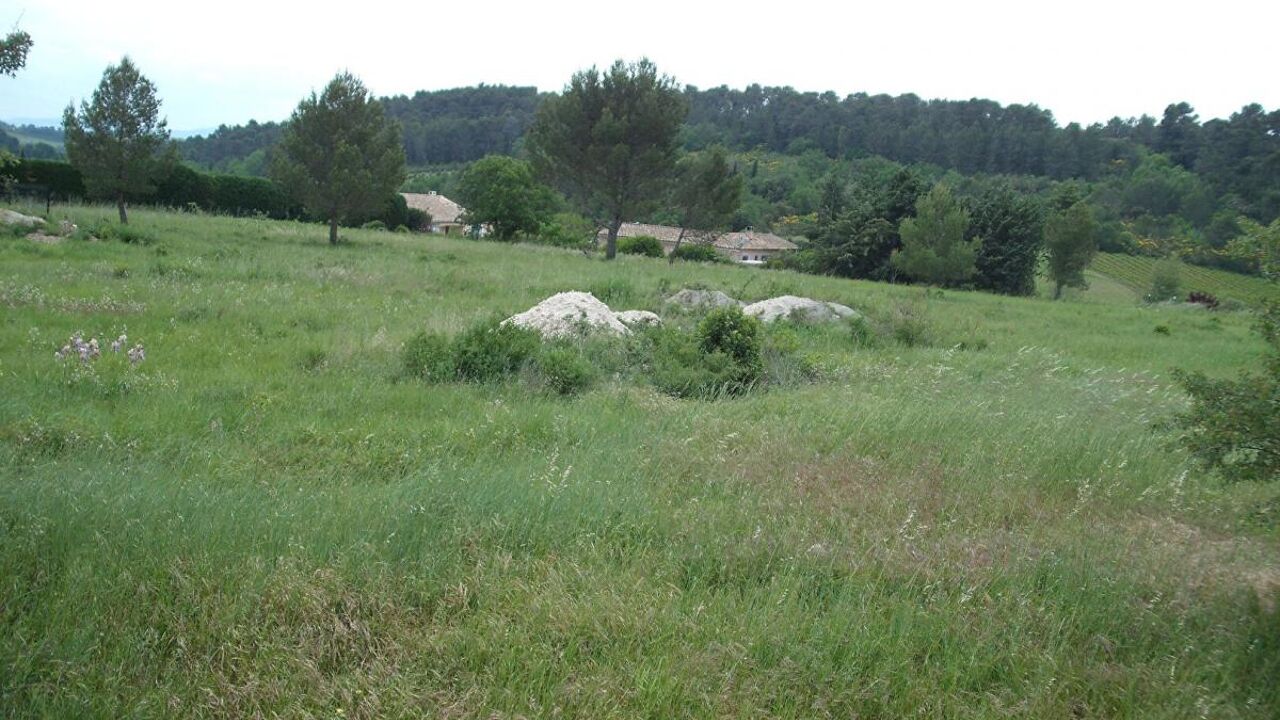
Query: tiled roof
point(440, 208)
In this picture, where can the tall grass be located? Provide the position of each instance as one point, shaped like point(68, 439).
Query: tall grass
point(266, 518)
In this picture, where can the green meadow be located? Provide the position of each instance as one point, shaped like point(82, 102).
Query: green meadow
point(969, 513)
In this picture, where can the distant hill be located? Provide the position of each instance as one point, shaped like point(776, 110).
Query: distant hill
point(41, 143)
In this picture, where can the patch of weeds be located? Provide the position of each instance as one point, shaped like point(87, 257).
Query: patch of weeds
point(173, 272)
point(862, 333)
point(193, 314)
point(910, 327)
point(973, 344)
point(313, 359)
point(120, 272)
point(311, 322)
point(39, 440)
point(1162, 330)
point(613, 291)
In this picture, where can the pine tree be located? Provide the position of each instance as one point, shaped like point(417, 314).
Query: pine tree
point(117, 141)
point(339, 155)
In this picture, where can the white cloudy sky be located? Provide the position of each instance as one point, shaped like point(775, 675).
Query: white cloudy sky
point(232, 60)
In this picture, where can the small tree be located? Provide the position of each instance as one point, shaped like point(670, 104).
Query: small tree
point(117, 140)
point(339, 155)
point(609, 142)
point(934, 249)
point(706, 194)
point(502, 193)
point(1166, 281)
point(1071, 238)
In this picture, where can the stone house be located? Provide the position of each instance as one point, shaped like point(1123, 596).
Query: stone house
point(446, 215)
point(749, 247)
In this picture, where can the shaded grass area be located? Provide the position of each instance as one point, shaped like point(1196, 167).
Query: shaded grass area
point(971, 519)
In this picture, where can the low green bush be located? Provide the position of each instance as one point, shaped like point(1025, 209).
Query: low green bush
point(374, 225)
point(698, 253)
point(641, 245)
point(564, 370)
point(428, 356)
point(490, 351)
point(729, 331)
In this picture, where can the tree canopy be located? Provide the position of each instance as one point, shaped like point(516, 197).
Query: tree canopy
point(609, 142)
point(502, 193)
point(1071, 241)
point(339, 155)
point(934, 248)
point(117, 139)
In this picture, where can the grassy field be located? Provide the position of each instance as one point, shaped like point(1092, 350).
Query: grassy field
point(265, 519)
point(1136, 273)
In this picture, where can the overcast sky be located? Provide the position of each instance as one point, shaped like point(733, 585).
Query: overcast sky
point(232, 60)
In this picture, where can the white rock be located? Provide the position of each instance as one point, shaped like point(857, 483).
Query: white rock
point(570, 313)
point(800, 309)
point(702, 299)
point(638, 317)
point(9, 217)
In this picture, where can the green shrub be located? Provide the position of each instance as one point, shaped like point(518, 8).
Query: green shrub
point(565, 370)
point(679, 367)
point(641, 245)
point(403, 229)
point(722, 358)
point(490, 350)
point(374, 225)
point(428, 356)
point(1233, 426)
point(729, 331)
point(698, 253)
point(1166, 281)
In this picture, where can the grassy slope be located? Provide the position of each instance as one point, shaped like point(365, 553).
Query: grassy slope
point(263, 520)
point(1137, 272)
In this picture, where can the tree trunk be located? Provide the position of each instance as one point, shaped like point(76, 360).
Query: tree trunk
point(124, 216)
point(671, 256)
point(333, 230)
point(611, 245)
point(1057, 291)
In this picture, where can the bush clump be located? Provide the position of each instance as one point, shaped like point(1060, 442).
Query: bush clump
point(374, 225)
point(641, 245)
point(486, 352)
point(1166, 282)
point(1233, 425)
point(698, 253)
point(564, 370)
point(429, 356)
point(491, 350)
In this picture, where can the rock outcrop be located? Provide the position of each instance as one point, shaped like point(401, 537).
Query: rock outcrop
point(569, 314)
point(799, 309)
point(702, 299)
point(636, 318)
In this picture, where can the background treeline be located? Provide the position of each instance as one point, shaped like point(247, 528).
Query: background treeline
point(1237, 159)
point(183, 188)
point(41, 143)
point(440, 127)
